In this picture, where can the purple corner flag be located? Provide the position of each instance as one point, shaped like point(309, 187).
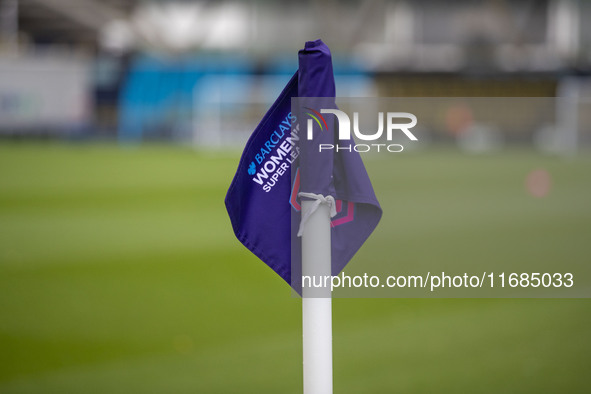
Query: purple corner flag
point(278, 161)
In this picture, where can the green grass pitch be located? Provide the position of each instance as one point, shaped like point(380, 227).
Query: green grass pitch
point(119, 273)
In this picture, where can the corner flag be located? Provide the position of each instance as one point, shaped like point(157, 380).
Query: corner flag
point(280, 166)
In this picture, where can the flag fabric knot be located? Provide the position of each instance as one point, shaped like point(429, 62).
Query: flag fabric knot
point(318, 200)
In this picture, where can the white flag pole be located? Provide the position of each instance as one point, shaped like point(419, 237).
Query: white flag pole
point(316, 302)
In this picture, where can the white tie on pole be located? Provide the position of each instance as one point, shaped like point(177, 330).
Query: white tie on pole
point(316, 302)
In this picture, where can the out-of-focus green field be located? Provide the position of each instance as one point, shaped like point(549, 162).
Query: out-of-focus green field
point(119, 273)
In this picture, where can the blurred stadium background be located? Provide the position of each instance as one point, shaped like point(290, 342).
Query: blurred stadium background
point(121, 124)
